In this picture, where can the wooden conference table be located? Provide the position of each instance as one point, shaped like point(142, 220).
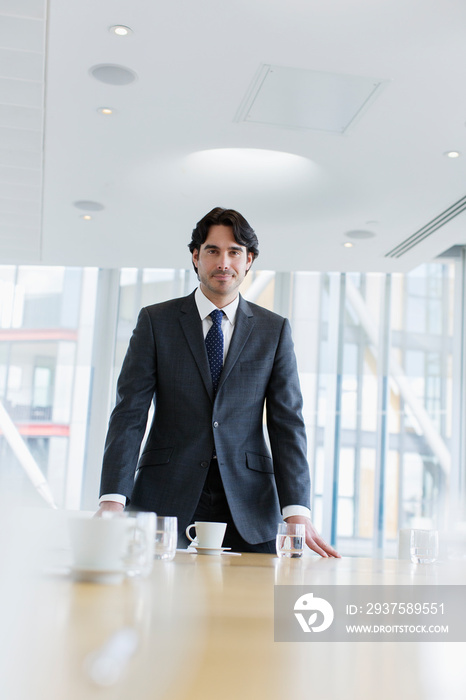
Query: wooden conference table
point(205, 629)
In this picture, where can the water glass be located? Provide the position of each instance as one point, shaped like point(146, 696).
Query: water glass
point(290, 540)
point(423, 546)
point(166, 538)
point(140, 533)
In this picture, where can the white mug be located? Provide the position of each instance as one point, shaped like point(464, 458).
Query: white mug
point(208, 535)
point(106, 549)
point(98, 544)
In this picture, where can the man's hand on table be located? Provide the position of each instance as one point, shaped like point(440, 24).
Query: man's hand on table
point(109, 507)
point(313, 540)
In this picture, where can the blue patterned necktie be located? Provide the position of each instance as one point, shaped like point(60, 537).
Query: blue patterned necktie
point(214, 346)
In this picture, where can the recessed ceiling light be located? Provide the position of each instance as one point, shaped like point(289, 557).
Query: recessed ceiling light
point(86, 217)
point(106, 110)
point(120, 30)
point(453, 154)
point(348, 245)
point(112, 74)
point(87, 205)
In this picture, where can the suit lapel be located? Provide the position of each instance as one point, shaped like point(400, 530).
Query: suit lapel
point(192, 328)
point(244, 323)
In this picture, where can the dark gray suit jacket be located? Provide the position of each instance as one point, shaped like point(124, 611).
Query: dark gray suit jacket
point(167, 362)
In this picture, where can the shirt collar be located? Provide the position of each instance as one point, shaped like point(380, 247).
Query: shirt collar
point(205, 306)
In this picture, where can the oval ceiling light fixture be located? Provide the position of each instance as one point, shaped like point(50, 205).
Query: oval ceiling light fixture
point(348, 245)
point(250, 170)
point(88, 205)
point(86, 217)
point(112, 74)
point(120, 30)
point(360, 235)
point(106, 110)
point(452, 154)
point(241, 159)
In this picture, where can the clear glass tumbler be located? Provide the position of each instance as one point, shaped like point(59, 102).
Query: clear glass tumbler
point(290, 540)
point(140, 533)
point(166, 538)
point(423, 546)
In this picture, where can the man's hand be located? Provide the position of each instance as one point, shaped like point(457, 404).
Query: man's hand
point(109, 506)
point(313, 540)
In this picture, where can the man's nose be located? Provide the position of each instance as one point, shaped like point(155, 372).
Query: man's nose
point(223, 263)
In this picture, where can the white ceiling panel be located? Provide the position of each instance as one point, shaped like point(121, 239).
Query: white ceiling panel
point(18, 206)
point(22, 33)
point(29, 118)
point(18, 219)
point(21, 192)
point(22, 65)
point(20, 139)
point(23, 8)
point(24, 244)
point(16, 234)
point(20, 176)
point(22, 83)
point(20, 92)
point(21, 159)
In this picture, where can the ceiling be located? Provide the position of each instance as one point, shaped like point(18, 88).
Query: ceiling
point(204, 89)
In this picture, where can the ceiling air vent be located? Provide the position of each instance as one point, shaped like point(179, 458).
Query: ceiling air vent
point(428, 229)
point(297, 98)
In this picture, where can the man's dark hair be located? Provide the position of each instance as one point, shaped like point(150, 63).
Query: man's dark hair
point(242, 231)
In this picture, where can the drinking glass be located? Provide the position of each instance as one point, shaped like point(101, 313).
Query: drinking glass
point(166, 538)
point(140, 533)
point(424, 546)
point(290, 540)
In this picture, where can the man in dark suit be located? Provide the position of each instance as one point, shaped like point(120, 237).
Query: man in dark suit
point(206, 456)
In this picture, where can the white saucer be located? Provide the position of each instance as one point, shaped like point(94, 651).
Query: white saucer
point(212, 551)
point(97, 575)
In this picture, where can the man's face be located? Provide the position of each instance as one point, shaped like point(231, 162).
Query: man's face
point(221, 265)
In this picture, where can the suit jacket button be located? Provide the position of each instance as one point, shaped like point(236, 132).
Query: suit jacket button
point(215, 424)
point(204, 465)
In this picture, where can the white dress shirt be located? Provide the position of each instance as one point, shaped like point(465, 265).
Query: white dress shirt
point(205, 307)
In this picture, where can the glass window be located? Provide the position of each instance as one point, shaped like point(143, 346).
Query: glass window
point(43, 330)
point(384, 396)
point(376, 375)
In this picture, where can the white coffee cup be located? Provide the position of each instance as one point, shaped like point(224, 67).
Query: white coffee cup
point(98, 544)
point(208, 535)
